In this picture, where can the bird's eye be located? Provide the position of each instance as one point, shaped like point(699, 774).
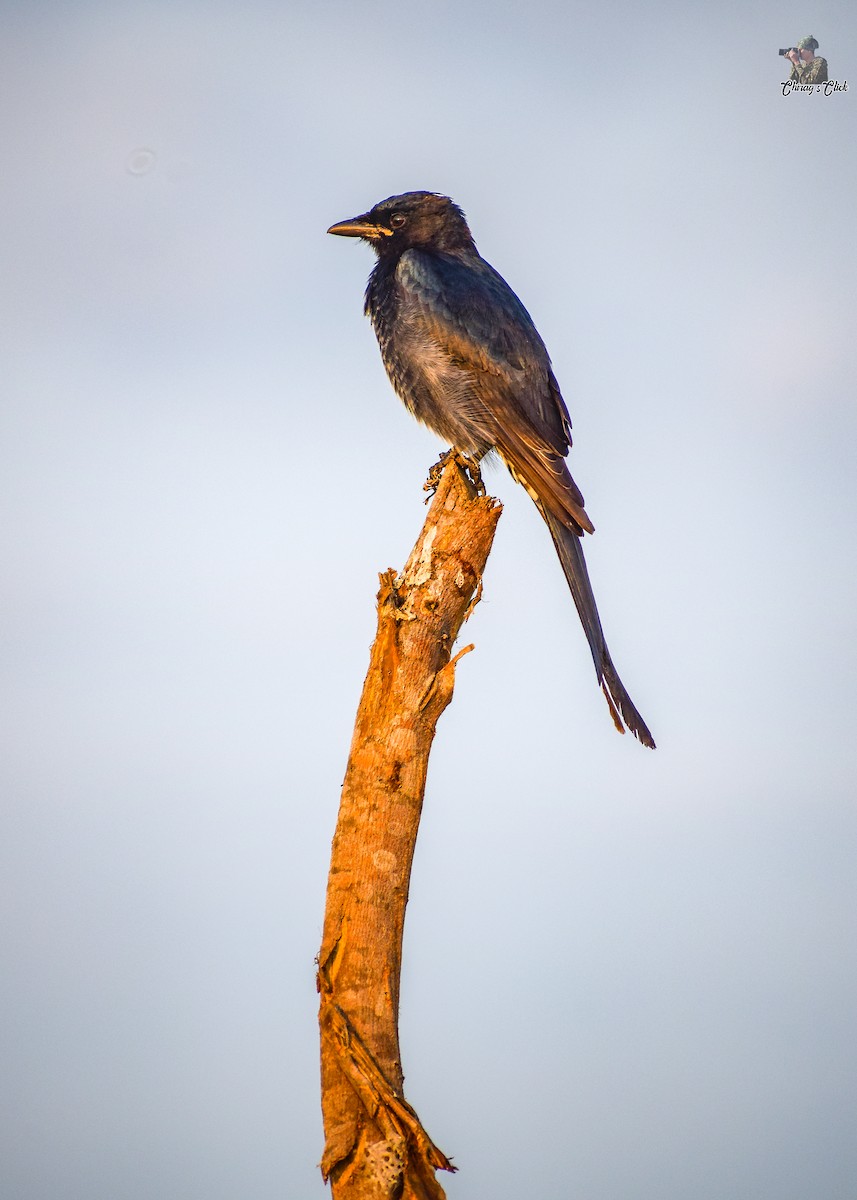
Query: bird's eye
point(397, 220)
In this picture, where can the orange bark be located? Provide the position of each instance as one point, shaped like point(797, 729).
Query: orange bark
point(375, 1145)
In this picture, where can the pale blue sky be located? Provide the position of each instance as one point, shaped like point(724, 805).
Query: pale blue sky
point(628, 976)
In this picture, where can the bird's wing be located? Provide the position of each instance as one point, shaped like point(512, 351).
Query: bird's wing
point(474, 318)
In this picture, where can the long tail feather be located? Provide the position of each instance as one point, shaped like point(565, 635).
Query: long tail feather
point(621, 705)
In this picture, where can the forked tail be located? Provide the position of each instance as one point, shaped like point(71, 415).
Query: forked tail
point(621, 705)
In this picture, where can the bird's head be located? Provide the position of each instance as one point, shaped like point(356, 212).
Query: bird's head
point(416, 219)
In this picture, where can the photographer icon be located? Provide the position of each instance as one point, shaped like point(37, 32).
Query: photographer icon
point(806, 68)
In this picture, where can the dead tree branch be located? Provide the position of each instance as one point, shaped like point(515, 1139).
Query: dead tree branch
point(375, 1145)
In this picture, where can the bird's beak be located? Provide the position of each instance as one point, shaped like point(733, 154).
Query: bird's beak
point(362, 227)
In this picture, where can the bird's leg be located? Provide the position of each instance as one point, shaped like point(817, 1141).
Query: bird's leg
point(433, 482)
point(468, 463)
point(472, 464)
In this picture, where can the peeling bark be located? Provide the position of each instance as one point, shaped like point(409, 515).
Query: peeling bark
point(376, 1148)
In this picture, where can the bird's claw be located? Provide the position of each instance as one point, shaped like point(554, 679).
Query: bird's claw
point(432, 483)
point(470, 467)
point(473, 468)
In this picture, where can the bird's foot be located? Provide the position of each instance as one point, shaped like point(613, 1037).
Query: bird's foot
point(432, 483)
point(472, 465)
point(469, 465)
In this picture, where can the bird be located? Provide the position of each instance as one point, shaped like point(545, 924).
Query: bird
point(464, 355)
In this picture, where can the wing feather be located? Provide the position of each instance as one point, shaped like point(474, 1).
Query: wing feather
point(475, 320)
